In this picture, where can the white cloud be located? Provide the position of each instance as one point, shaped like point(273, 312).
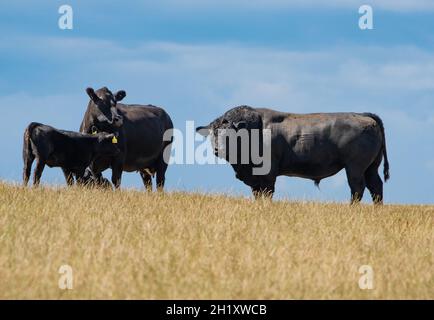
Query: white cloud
point(333, 79)
point(220, 76)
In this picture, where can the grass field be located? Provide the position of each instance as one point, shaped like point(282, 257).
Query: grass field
point(132, 244)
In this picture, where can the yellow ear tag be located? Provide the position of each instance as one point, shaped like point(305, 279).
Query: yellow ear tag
point(94, 132)
point(114, 140)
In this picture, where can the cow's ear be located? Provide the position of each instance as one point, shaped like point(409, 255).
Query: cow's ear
point(240, 125)
point(92, 95)
point(120, 95)
point(204, 131)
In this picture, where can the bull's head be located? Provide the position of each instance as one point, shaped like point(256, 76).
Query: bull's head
point(240, 131)
point(102, 108)
point(232, 126)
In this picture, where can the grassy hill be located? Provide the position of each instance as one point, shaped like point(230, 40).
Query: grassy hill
point(132, 244)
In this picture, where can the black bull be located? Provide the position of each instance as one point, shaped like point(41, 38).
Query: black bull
point(140, 130)
point(312, 146)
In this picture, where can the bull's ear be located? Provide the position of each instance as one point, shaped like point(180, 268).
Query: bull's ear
point(92, 95)
point(240, 125)
point(120, 95)
point(204, 131)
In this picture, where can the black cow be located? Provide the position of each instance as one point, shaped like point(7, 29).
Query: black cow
point(140, 128)
point(312, 146)
point(72, 151)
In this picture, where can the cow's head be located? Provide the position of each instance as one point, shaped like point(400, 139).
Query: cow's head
point(107, 144)
point(102, 108)
point(234, 121)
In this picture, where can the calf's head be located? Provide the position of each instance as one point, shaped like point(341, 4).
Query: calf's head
point(102, 109)
point(107, 144)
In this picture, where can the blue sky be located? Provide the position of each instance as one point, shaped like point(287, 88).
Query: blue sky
point(199, 58)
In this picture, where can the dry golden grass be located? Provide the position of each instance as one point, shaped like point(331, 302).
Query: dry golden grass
point(131, 244)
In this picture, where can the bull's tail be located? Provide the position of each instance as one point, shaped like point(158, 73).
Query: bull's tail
point(386, 161)
point(28, 155)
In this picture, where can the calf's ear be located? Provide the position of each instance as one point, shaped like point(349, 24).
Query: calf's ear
point(92, 95)
point(204, 130)
point(112, 138)
point(120, 95)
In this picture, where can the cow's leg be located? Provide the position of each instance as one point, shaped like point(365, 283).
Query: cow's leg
point(374, 184)
point(117, 174)
point(147, 180)
point(69, 176)
point(356, 181)
point(161, 173)
point(28, 161)
point(40, 164)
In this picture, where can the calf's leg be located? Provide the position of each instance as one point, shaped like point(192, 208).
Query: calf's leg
point(69, 177)
point(80, 176)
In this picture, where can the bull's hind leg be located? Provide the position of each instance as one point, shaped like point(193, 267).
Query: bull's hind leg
point(40, 165)
point(147, 180)
point(356, 181)
point(374, 184)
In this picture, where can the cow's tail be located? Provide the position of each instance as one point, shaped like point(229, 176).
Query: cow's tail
point(28, 155)
point(386, 161)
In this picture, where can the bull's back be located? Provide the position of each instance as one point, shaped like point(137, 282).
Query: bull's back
point(320, 144)
point(336, 128)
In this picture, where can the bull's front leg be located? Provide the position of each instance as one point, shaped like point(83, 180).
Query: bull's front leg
point(264, 188)
point(263, 192)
